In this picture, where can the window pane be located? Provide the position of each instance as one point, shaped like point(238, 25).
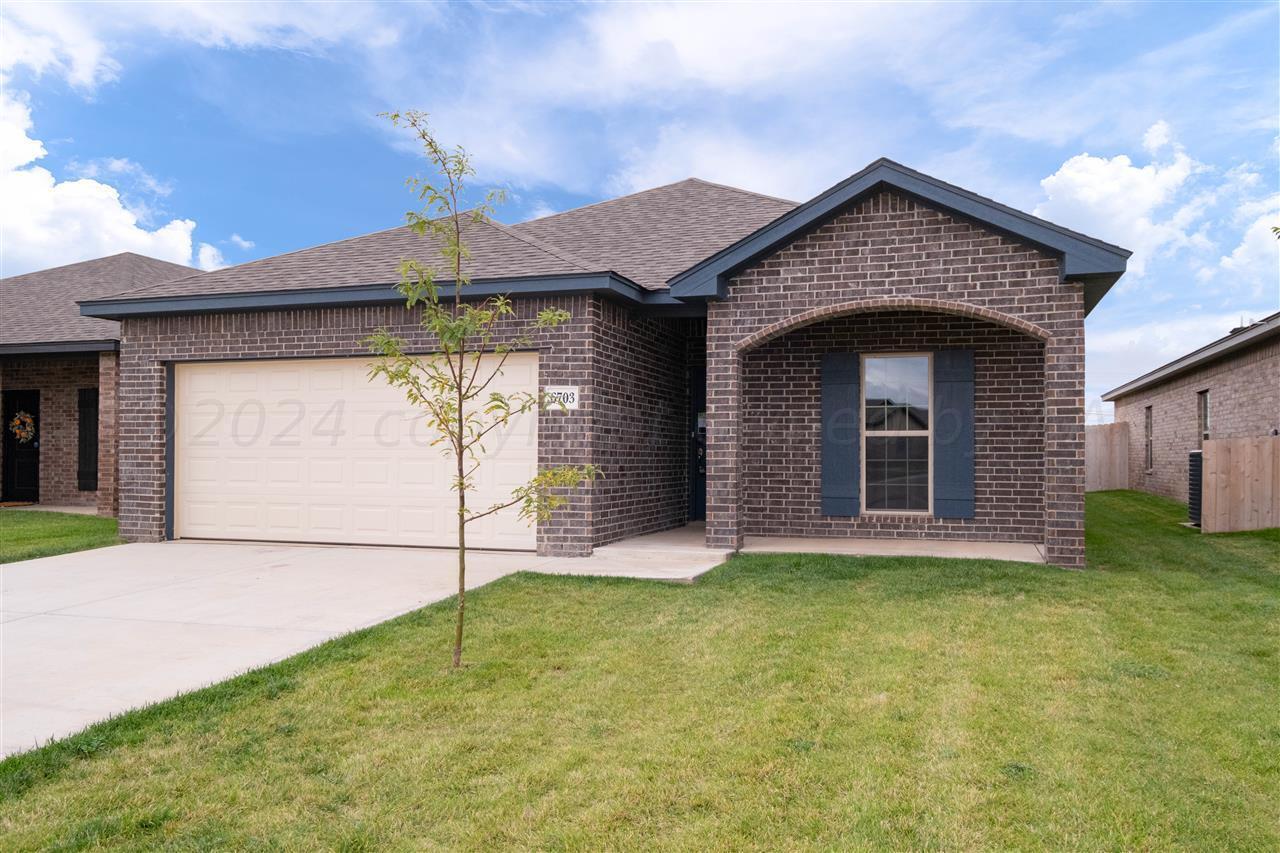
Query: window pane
point(899, 383)
point(897, 473)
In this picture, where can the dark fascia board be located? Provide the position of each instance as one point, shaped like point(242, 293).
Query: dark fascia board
point(605, 284)
point(1262, 330)
point(58, 347)
point(1094, 263)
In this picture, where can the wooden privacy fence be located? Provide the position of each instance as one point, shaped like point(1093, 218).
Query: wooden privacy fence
point(1106, 457)
point(1241, 488)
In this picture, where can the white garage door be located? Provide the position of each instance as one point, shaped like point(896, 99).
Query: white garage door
point(312, 450)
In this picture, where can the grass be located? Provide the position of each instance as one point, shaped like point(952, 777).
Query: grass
point(781, 702)
point(26, 534)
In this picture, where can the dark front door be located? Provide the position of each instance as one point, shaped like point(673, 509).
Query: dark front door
point(21, 481)
point(697, 443)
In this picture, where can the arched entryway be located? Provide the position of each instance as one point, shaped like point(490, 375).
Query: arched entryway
point(767, 453)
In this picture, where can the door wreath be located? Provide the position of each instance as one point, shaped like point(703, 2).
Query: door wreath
point(23, 427)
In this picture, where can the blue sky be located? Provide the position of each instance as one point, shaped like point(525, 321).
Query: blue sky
point(217, 133)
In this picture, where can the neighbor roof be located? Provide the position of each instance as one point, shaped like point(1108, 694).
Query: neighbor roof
point(39, 310)
point(650, 236)
point(1264, 329)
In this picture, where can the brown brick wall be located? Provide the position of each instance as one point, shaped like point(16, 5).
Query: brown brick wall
point(108, 411)
point(58, 378)
point(150, 343)
point(782, 428)
point(885, 252)
point(640, 418)
point(1244, 400)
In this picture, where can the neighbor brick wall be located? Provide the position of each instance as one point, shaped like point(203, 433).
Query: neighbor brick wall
point(640, 422)
point(782, 428)
point(58, 378)
point(884, 252)
point(1244, 401)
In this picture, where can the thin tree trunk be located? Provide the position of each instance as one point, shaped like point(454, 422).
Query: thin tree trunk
point(462, 572)
point(462, 490)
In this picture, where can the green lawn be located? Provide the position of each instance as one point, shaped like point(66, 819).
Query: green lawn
point(25, 534)
point(781, 702)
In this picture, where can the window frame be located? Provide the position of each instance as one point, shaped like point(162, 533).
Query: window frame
point(1148, 439)
point(864, 433)
point(1203, 416)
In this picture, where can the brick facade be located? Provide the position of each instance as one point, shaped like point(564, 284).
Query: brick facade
point(1244, 401)
point(781, 407)
point(889, 252)
point(629, 421)
point(640, 419)
point(59, 379)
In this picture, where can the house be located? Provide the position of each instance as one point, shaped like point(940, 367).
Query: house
point(1227, 389)
point(58, 372)
point(896, 357)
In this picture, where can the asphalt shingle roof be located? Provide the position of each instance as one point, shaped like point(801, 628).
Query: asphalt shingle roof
point(646, 237)
point(651, 236)
point(497, 252)
point(40, 307)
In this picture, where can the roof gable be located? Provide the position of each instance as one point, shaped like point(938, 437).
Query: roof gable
point(1095, 263)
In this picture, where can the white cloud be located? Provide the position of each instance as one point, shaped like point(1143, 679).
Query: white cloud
point(79, 42)
point(240, 242)
point(723, 155)
point(1255, 263)
point(1130, 205)
point(209, 258)
point(1157, 136)
point(47, 222)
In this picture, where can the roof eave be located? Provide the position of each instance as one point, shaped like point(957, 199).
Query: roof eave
point(1084, 259)
point(604, 284)
point(59, 347)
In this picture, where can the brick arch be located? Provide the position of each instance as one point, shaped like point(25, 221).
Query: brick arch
point(864, 306)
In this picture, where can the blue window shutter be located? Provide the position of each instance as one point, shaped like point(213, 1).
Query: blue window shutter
point(841, 413)
point(953, 433)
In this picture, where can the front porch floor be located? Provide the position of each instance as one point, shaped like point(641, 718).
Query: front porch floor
point(1024, 552)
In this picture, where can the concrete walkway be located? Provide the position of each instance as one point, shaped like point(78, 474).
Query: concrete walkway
point(1023, 552)
point(88, 635)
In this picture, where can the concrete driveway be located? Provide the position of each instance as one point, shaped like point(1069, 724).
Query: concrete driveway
point(88, 635)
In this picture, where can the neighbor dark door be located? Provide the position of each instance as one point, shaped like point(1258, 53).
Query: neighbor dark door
point(21, 481)
point(697, 443)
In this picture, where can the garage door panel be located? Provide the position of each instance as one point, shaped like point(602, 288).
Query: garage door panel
point(313, 450)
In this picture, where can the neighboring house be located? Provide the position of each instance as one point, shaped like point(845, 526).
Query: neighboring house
point(1227, 389)
point(722, 349)
point(58, 380)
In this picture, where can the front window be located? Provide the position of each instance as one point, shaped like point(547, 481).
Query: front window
point(897, 431)
point(1202, 415)
point(1148, 443)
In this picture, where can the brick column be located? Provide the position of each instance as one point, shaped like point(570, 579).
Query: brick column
point(724, 397)
point(108, 406)
point(1064, 446)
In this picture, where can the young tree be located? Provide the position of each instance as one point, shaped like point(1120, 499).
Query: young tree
point(473, 338)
